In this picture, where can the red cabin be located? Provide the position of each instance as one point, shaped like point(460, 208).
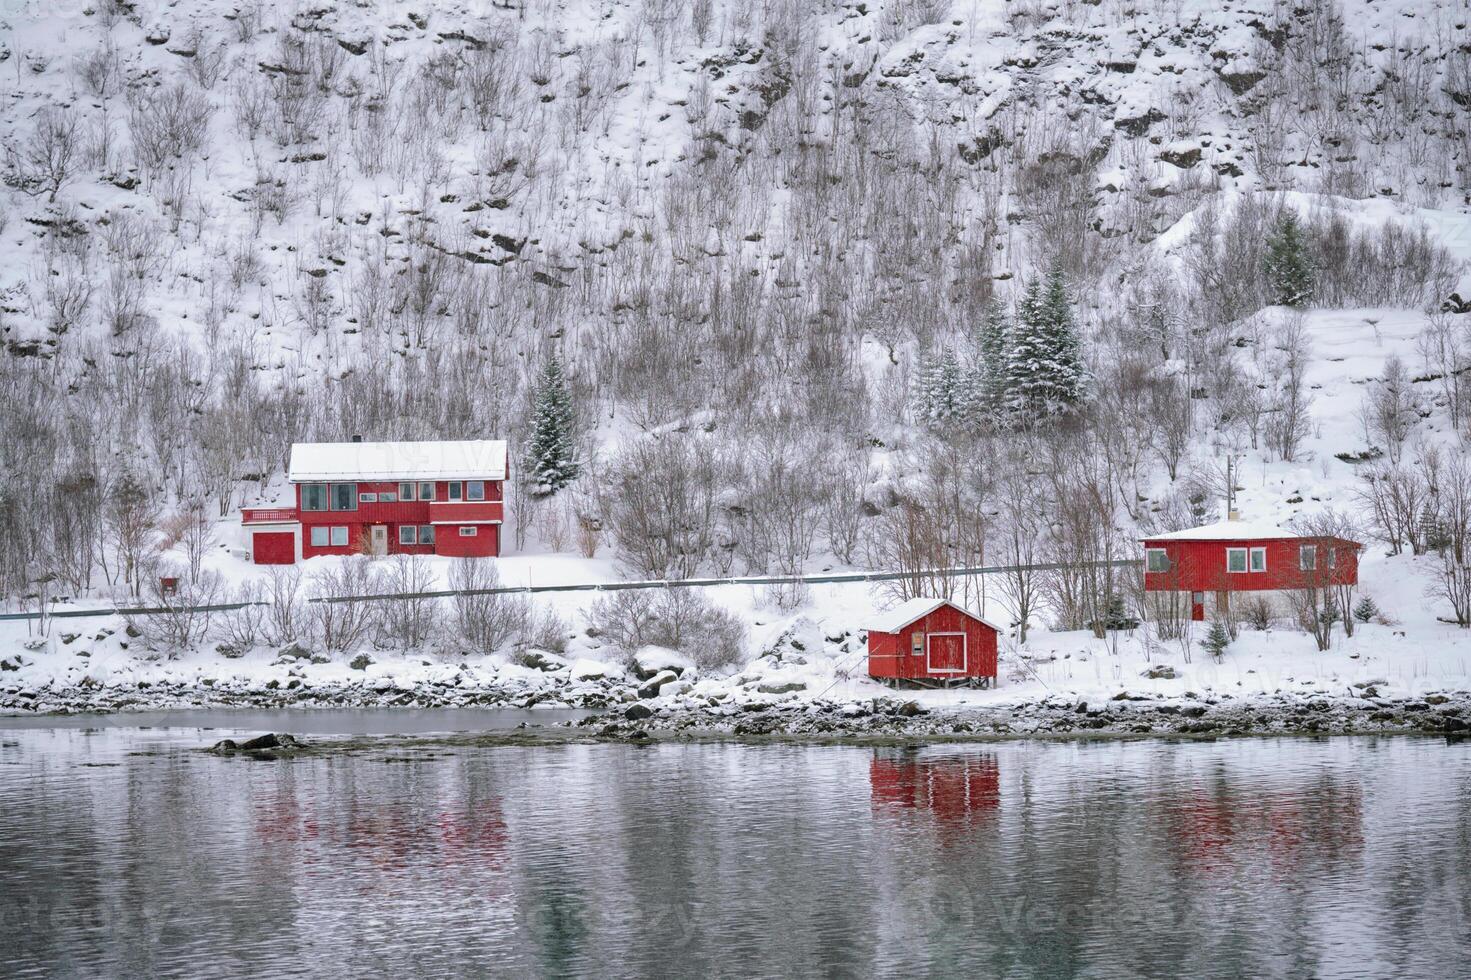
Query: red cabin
point(385, 498)
point(1244, 556)
point(932, 642)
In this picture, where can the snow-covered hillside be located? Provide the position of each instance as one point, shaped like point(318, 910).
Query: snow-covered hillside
point(751, 231)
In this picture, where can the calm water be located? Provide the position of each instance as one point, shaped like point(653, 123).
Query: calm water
point(125, 853)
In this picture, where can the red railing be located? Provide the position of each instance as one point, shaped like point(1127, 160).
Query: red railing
point(267, 515)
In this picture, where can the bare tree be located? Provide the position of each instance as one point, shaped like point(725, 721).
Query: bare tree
point(1389, 410)
point(485, 619)
point(409, 619)
point(338, 625)
point(44, 163)
point(1289, 417)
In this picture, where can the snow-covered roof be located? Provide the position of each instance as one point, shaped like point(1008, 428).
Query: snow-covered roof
point(907, 612)
point(481, 459)
point(1228, 531)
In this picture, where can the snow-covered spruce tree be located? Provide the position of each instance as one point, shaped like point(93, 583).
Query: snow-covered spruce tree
point(984, 384)
point(939, 398)
point(1217, 639)
point(551, 452)
point(1045, 376)
point(1289, 266)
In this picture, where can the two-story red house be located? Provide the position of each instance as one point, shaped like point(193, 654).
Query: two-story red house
point(384, 498)
point(1244, 556)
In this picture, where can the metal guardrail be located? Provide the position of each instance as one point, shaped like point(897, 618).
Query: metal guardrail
point(840, 578)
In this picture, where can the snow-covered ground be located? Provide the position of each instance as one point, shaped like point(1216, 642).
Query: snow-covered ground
point(962, 71)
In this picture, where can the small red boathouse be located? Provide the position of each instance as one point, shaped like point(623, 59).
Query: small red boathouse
point(932, 643)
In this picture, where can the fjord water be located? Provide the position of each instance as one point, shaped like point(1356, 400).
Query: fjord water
point(128, 853)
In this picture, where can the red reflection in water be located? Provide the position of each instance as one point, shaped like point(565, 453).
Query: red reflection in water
point(391, 836)
point(1276, 830)
point(957, 791)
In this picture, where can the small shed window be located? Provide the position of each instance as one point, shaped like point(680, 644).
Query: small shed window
point(1156, 560)
point(319, 536)
point(1307, 557)
point(314, 496)
point(426, 533)
point(1259, 559)
point(1235, 559)
point(388, 497)
point(344, 496)
point(367, 498)
point(469, 532)
point(406, 534)
point(405, 491)
point(475, 490)
point(339, 537)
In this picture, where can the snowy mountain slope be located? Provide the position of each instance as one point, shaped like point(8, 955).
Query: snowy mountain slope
point(226, 226)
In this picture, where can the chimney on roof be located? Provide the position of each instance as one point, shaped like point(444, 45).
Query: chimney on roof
point(357, 438)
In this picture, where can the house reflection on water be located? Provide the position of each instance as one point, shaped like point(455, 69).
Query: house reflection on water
point(1221, 826)
point(955, 791)
point(388, 835)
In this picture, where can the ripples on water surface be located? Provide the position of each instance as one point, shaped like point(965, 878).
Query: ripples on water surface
point(124, 853)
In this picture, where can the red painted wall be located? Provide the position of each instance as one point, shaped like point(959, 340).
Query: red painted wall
point(486, 542)
point(889, 653)
point(414, 512)
point(1200, 566)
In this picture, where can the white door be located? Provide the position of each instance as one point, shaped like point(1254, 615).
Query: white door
point(380, 539)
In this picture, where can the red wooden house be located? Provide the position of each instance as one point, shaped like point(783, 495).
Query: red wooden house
point(383, 498)
point(1244, 556)
point(932, 642)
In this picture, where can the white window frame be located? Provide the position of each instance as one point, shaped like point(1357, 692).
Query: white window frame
point(426, 494)
point(411, 538)
point(1252, 557)
point(469, 532)
point(471, 491)
point(387, 497)
point(1332, 557)
point(352, 495)
point(326, 541)
point(1149, 554)
point(406, 492)
point(306, 492)
point(454, 491)
point(339, 540)
point(367, 498)
point(1307, 558)
point(1245, 554)
point(423, 528)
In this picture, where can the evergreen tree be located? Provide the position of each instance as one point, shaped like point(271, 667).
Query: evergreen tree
point(1217, 639)
point(1366, 610)
point(984, 395)
point(939, 391)
point(1289, 267)
point(551, 453)
point(1045, 375)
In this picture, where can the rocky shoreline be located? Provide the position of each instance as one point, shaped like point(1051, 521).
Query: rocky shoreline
point(644, 710)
